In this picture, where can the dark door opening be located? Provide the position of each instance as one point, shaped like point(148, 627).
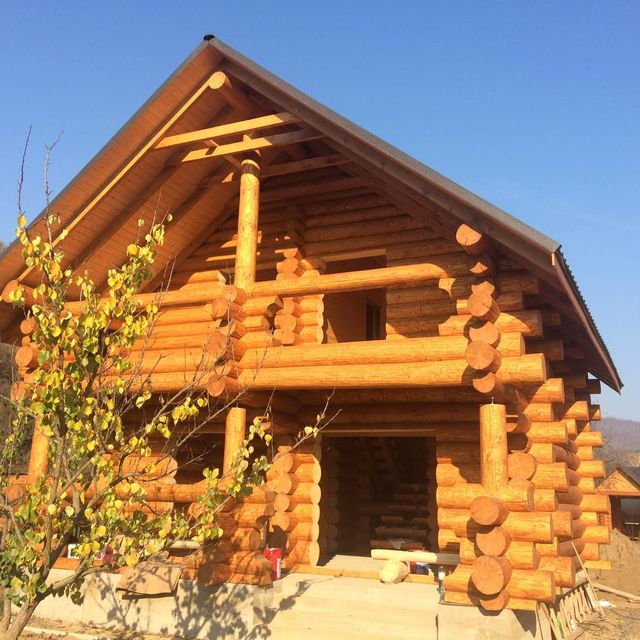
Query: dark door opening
point(377, 493)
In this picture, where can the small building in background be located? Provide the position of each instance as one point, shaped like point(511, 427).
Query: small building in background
point(623, 488)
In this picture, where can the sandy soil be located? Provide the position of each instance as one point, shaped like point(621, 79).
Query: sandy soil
point(84, 632)
point(622, 621)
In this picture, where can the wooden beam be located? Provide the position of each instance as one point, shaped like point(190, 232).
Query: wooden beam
point(234, 434)
point(312, 188)
point(221, 83)
point(253, 144)
point(308, 164)
point(226, 189)
point(360, 280)
point(121, 218)
point(247, 243)
point(233, 128)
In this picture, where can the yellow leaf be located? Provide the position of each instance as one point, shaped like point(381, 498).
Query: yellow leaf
point(69, 510)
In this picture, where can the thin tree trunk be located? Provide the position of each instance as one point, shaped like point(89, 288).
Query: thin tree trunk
point(19, 622)
point(5, 610)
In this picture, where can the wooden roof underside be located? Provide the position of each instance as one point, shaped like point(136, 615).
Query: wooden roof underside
point(130, 178)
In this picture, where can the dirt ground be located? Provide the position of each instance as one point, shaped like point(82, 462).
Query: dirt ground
point(622, 620)
point(58, 631)
point(624, 554)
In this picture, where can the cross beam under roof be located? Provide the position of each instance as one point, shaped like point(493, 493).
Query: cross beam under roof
point(233, 128)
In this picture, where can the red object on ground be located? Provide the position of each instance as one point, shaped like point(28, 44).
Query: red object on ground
point(274, 555)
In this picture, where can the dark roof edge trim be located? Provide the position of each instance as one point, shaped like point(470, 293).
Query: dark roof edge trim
point(575, 296)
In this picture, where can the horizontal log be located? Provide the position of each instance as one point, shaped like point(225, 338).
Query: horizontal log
point(515, 499)
point(521, 554)
point(510, 301)
point(552, 390)
point(519, 370)
point(540, 412)
point(371, 352)
point(445, 265)
point(592, 468)
point(531, 584)
point(552, 349)
point(342, 397)
point(547, 432)
point(354, 281)
point(460, 287)
point(577, 410)
point(563, 569)
point(597, 502)
point(528, 323)
point(410, 412)
point(554, 475)
point(529, 527)
point(600, 534)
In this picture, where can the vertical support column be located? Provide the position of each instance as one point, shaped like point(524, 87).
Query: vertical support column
point(494, 471)
point(247, 244)
point(234, 434)
point(244, 277)
point(39, 456)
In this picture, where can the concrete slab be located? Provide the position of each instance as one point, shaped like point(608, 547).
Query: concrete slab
point(298, 607)
point(470, 623)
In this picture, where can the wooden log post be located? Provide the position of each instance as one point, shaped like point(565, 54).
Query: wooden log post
point(245, 276)
point(494, 468)
point(234, 434)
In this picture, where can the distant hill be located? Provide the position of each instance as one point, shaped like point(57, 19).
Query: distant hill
point(621, 433)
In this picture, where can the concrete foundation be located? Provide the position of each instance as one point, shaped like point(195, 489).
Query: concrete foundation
point(299, 607)
point(469, 622)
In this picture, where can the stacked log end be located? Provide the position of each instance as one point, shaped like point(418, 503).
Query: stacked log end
point(295, 480)
point(496, 528)
point(302, 317)
point(237, 556)
point(499, 565)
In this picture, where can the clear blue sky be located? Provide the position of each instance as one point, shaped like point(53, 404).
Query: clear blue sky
point(533, 105)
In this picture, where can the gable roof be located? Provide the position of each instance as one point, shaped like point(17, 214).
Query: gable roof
point(623, 481)
point(88, 202)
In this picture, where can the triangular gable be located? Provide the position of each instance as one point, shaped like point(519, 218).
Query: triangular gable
point(140, 173)
point(619, 483)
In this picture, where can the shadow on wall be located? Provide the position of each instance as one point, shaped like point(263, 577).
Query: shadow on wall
point(194, 611)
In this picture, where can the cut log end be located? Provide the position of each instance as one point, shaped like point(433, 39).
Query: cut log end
point(490, 574)
point(493, 542)
point(481, 356)
point(487, 511)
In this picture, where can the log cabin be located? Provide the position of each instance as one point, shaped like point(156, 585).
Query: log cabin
point(452, 337)
point(622, 485)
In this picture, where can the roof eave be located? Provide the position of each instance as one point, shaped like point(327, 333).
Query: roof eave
point(573, 293)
